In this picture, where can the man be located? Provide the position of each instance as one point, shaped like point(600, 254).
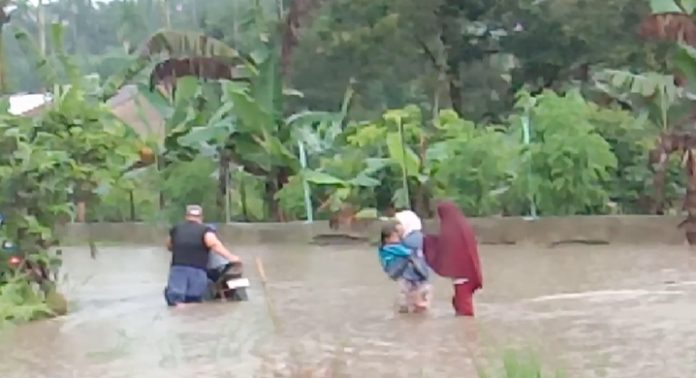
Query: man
point(189, 242)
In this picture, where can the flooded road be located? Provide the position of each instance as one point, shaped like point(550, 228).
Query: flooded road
point(590, 311)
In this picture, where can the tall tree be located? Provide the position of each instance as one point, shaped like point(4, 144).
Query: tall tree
point(6, 8)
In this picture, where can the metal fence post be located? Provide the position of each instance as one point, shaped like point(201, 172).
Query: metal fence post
point(526, 131)
point(305, 184)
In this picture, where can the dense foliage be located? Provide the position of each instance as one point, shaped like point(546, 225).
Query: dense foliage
point(74, 148)
point(233, 146)
point(506, 107)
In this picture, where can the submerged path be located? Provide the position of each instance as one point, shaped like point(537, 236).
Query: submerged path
point(593, 311)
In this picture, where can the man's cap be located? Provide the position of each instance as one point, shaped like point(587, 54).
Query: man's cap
point(194, 210)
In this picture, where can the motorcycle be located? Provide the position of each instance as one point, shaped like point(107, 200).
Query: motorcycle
point(14, 261)
point(227, 283)
point(227, 280)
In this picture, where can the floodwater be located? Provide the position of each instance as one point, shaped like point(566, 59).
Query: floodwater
point(592, 311)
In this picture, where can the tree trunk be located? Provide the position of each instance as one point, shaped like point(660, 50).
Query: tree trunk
point(689, 224)
point(82, 197)
point(131, 198)
point(3, 74)
point(271, 203)
point(659, 184)
point(194, 15)
point(659, 158)
point(422, 205)
point(274, 182)
point(223, 178)
point(167, 14)
point(160, 168)
point(281, 179)
point(243, 197)
point(41, 18)
point(81, 212)
point(451, 65)
point(421, 198)
point(455, 92)
point(296, 13)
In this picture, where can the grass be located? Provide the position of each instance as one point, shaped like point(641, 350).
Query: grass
point(20, 302)
point(516, 365)
point(296, 364)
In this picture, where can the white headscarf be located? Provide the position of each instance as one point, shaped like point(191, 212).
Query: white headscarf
point(409, 220)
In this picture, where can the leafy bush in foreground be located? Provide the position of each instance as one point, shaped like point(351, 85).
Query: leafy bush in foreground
point(20, 302)
point(518, 366)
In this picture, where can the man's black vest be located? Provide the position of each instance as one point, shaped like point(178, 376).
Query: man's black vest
point(188, 246)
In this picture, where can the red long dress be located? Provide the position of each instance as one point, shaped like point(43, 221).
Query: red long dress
point(454, 254)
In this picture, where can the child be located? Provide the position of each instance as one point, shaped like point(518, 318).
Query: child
point(410, 229)
point(398, 262)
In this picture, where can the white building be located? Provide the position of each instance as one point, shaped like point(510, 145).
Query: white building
point(24, 103)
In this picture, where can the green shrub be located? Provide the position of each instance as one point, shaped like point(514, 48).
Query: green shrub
point(474, 166)
point(567, 164)
point(20, 302)
point(515, 365)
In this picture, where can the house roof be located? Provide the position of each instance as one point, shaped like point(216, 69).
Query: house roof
point(24, 103)
point(128, 105)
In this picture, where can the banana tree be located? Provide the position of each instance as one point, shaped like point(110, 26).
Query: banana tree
point(100, 146)
point(659, 100)
point(34, 192)
point(252, 98)
point(176, 54)
point(674, 21)
point(243, 130)
point(246, 127)
point(178, 61)
point(342, 175)
point(391, 143)
point(244, 133)
point(69, 151)
point(256, 109)
point(316, 134)
point(100, 139)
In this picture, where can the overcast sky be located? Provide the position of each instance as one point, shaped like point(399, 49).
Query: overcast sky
point(49, 1)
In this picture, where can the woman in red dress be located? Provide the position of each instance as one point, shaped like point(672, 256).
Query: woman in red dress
point(454, 254)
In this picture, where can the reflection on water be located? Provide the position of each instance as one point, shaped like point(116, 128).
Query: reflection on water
point(593, 311)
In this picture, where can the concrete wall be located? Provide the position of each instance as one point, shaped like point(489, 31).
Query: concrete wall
point(543, 231)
